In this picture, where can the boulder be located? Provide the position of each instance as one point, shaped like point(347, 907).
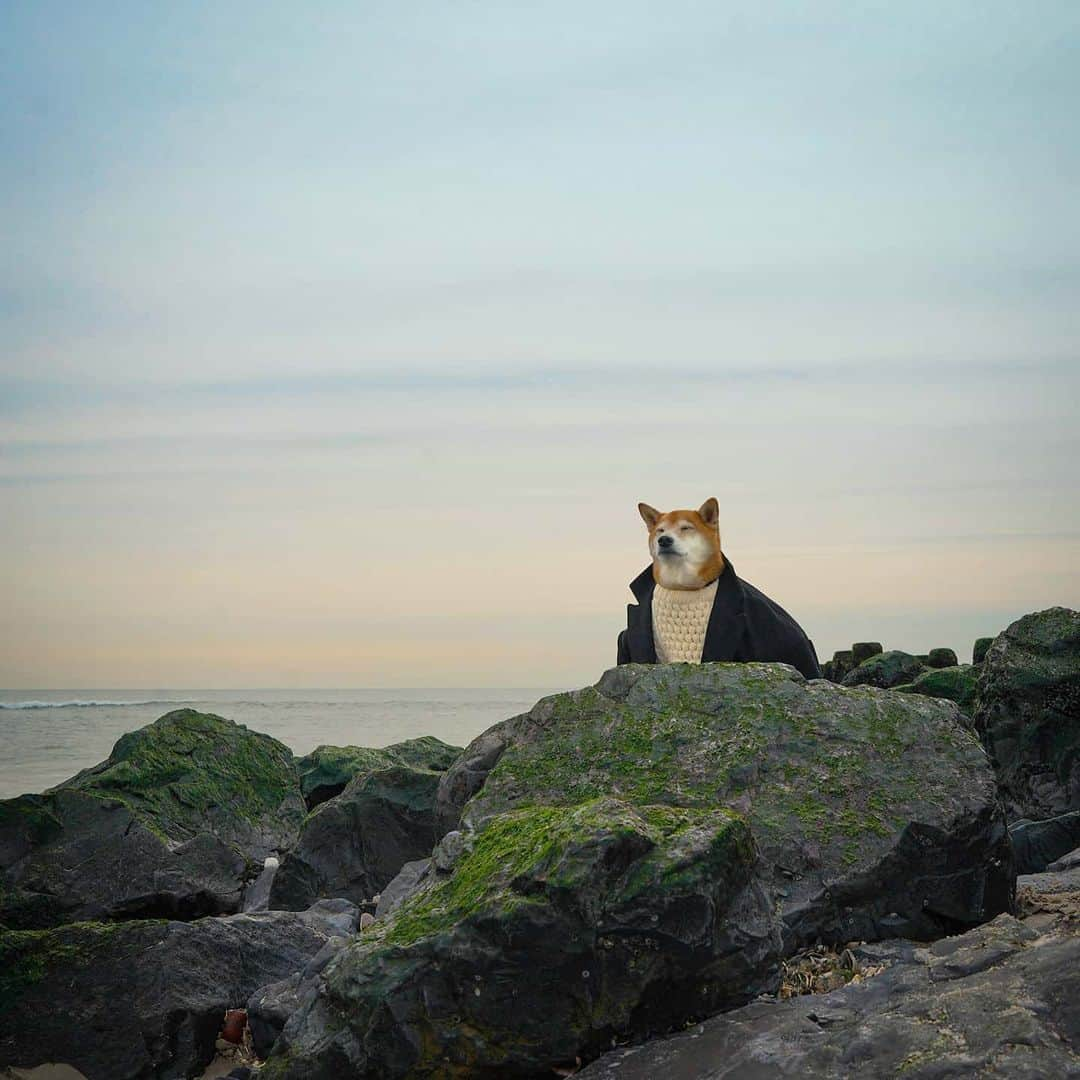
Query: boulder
point(999, 1000)
point(127, 1000)
point(1056, 889)
point(1028, 712)
point(885, 670)
point(1068, 861)
point(355, 843)
point(172, 824)
point(980, 649)
point(645, 851)
point(327, 770)
point(952, 683)
point(408, 880)
point(863, 650)
point(843, 661)
point(1036, 844)
point(941, 658)
point(271, 1006)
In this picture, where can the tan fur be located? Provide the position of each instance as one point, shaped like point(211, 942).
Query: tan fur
point(706, 563)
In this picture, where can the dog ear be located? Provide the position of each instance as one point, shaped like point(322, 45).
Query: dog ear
point(648, 514)
point(710, 513)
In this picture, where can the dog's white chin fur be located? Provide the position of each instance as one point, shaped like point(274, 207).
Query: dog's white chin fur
point(678, 572)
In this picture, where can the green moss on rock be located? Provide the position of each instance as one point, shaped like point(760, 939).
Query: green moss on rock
point(886, 670)
point(552, 847)
point(641, 852)
point(1027, 710)
point(328, 769)
point(191, 772)
point(28, 956)
point(952, 683)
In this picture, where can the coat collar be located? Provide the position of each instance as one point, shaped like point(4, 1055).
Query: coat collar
point(725, 630)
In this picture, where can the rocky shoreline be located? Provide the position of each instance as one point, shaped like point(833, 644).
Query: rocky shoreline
point(636, 879)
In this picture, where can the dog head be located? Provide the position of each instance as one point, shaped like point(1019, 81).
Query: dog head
point(685, 545)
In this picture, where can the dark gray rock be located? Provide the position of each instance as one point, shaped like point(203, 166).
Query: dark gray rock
point(173, 824)
point(1028, 713)
point(843, 661)
point(941, 658)
point(863, 650)
point(120, 1001)
point(885, 670)
point(270, 1006)
point(1036, 844)
point(327, 770)
point(1062, 881)
point(89, 858)
point(642, 852)
point(355, 843)
point(980, 649)
point(1069, 861)
point(448, 851)
point(408, 880)
point(996, 1001)
point(467, 775)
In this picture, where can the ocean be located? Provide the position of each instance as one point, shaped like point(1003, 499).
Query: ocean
point(47, 736)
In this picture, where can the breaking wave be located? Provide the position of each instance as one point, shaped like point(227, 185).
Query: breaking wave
point(87, 704)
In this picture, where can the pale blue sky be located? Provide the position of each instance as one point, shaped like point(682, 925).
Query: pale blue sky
point(336, 336)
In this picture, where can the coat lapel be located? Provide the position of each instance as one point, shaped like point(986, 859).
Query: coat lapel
point(639, 631)
point(724, 634)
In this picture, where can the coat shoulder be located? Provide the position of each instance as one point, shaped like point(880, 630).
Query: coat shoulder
point(775, 635)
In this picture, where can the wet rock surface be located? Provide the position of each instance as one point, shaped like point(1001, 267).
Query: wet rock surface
point(127, 1000)
point(1037, 844)
point(354, 844)
point(1000, 1005)
point(1001, 1000)
point(1028, 712)
point(172, 824)
point(644, 852)
point(271, 1005)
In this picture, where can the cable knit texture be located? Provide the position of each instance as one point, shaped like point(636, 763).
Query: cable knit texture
point(680, 618)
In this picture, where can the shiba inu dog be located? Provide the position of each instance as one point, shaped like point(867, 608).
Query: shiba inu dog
point(693, 607)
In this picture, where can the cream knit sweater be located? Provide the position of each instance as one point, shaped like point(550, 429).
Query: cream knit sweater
point(680, 618)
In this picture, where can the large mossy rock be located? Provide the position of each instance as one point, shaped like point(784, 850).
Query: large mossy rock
point(941, 658)
point(172, 824)
point(1028, 712)
point(137, 999)
point(885, 670)
point(355, 843)
point(327, 770)
point(952, 683)
point(643, 852)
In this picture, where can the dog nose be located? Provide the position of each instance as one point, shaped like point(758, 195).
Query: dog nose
point(665, 541)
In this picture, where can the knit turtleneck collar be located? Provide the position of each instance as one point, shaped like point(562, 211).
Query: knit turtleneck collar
point(725, 622)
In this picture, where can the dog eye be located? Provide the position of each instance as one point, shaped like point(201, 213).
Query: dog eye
point(684, 528)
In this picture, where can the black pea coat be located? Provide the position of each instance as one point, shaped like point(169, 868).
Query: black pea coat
point(744, 624)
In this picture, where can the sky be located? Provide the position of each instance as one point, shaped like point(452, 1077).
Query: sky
point(339, 342)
